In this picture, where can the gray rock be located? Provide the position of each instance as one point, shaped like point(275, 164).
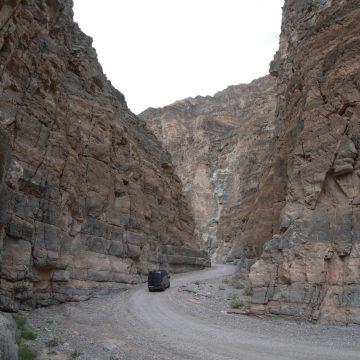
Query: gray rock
point(110, 347)
point(8, 347)
point(262, 295)
point(314, 264)
point(343, 166)
point(60, 275)
point(244, 264)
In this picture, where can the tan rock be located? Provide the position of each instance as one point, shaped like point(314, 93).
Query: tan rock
point(220, 146)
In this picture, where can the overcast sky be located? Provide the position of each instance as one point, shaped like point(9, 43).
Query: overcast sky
point(159, 51)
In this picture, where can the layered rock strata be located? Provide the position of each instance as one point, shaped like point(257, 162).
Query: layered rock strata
point(88, 198)
point(219, 146)
point(311, 266)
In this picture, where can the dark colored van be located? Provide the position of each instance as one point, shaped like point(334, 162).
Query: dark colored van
point(158, 280)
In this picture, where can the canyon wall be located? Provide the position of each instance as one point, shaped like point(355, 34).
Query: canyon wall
point(311, 266)
point(88, 198)
point(8, 330)
point(219, 146)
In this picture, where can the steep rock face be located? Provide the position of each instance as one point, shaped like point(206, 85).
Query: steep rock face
point(89, 201)
point(8, 347)
point(311, 267)
point(219, 146)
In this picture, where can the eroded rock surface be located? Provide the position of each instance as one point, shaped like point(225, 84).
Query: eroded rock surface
point(311, 267)
point(8, 347)
point(219, 146)
point(89, 201)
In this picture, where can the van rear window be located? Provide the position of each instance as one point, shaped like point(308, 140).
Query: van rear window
point(156, 276)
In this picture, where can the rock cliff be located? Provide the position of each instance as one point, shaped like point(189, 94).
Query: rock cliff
point(219, 146)
point(88, 198)
point(311, 266)
point(8, 347)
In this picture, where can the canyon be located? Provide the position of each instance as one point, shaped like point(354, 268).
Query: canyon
point(271, 169)
point(265, 175)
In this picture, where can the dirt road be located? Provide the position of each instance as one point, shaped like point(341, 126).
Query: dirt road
point(165, 325)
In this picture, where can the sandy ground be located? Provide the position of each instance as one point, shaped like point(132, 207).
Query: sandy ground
point(187, 321)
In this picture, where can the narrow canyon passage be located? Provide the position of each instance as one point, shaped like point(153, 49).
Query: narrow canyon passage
point(264, 175)
point(168, 325)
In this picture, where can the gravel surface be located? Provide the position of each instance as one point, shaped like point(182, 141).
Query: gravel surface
point(188, 321)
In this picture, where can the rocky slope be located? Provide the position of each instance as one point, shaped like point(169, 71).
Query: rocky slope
point(89, 201)
point(219, 146)
point(311, 267)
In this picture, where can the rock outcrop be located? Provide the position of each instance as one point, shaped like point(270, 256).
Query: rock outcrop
point(219, 146)
point(88, 198)
point(8, 347)
point(311, 266)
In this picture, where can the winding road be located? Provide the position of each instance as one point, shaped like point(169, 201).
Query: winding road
point(161, 325)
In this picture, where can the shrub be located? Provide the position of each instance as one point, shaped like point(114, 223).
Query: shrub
point(27, 333)
point(25, 353)
point(75, 354)
point(53, 342)
point(236, 283)
point(235, 301)
point(20, 321)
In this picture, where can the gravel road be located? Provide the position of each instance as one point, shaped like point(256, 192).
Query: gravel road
point(183, 323)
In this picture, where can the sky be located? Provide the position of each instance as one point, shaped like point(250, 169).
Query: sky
point(158, 51)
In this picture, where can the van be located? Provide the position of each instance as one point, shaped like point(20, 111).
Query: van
point(158, 280)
